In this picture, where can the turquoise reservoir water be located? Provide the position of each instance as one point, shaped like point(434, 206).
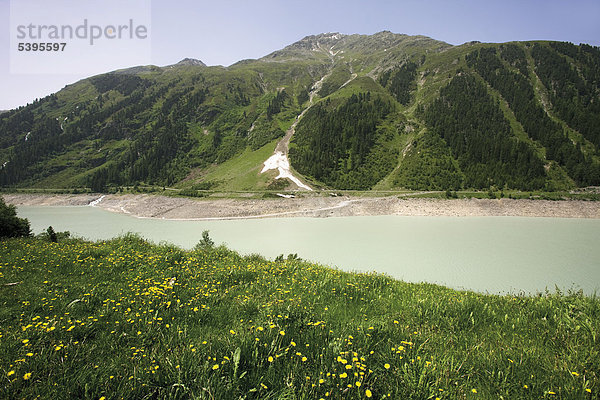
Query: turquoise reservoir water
point(485, 254)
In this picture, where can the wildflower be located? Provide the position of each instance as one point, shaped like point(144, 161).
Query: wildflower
point(574, 374)
point(474, 390)
point(282, 333)
point(357, 384)
point(27, 376)
point(102, 398)
point(270, 359)
point(525, 387)
point(344, 375)
point(368, 393)
point(232, 331)
point(263, 386)
point(215, 367)
point(588, 390)
point(304, 359)
point(29, 354)
point(386, 366)
point(551, 392)
point(10, 373)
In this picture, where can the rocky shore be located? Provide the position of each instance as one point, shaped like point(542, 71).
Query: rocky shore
point(178, 208)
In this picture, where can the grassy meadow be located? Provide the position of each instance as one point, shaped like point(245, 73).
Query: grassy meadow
point(128, 319)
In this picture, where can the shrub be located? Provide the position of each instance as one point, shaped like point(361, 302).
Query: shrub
point(10, 224)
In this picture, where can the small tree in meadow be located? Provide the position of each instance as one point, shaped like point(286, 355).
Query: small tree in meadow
point(51, 234)
point(206, 243)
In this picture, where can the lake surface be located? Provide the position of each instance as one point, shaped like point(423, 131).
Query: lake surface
point(485, 254)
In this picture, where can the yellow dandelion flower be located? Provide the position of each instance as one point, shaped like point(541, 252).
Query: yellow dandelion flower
point(282, 333)
point(102, 398)
point(588, 390)
point(551, 392)
point(270, 359)
point(232, 331)
point(215, 367)
point(386, 366)
point(574, 374)
point(304, 359)
point(29, 354)
point(525, 387)
point(368, 393)
point(474, 390)
point(357, 384)
point(344, 375)
point(27, 376)
point(10, 373)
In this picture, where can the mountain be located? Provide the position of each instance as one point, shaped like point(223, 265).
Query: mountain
point(190, 61)
point(382, 111)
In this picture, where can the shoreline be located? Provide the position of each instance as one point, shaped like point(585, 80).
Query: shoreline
point(180, 208)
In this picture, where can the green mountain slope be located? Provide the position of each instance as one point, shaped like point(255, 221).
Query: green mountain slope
point(363, 112)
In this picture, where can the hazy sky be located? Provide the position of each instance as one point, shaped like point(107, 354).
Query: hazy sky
point(223, 32)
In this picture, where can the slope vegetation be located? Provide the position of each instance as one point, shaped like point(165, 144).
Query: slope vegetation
point(384, 110)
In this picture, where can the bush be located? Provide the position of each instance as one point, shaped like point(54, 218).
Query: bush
point(10, 224)
point(51, 236)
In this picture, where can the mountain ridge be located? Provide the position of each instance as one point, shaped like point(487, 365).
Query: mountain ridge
point(190, 125)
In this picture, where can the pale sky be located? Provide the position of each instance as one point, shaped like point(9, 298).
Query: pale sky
point(226, 31)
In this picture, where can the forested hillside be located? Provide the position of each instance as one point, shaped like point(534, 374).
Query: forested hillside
point(386, 110)
point(343, 147)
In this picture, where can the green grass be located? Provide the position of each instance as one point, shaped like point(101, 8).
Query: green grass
point(242, 172)
point(127, 319)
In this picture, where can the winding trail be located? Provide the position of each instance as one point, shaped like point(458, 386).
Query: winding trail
point(341, 204)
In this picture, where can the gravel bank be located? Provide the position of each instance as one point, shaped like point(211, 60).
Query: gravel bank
point(154, 206)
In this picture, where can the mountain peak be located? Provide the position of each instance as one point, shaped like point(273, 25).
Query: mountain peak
point(333, 43)
point(317, 42)
point(190, 61)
